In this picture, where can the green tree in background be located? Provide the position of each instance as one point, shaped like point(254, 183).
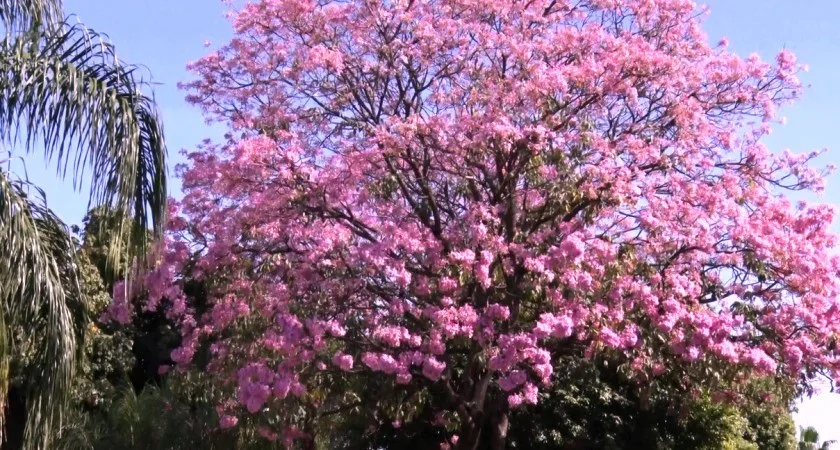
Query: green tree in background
point(107, 351)
point(590, 405)
point(809, 439)
point(64, 93)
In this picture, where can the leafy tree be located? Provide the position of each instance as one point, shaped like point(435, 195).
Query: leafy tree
point(169, 418)
point(150, 334)
point(809, 439)
point(63, 92)
point(107, 357)
point(590, 405)
point(447, 196)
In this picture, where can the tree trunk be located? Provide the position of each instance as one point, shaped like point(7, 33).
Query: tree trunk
point(487, 433)
point(499, 431)
point(15, 419)
point(469, 437)
point(488, 428)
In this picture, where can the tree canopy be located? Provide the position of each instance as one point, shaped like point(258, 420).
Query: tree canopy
point(440, 199)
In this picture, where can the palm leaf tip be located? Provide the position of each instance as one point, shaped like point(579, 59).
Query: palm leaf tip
point(24, 15)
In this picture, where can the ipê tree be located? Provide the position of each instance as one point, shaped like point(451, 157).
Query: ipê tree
point(442, 194)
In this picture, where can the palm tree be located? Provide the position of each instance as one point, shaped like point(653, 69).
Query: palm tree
point(809, 439)
point(63, 92)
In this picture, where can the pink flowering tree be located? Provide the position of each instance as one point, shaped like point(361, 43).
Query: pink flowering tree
point(443, 195)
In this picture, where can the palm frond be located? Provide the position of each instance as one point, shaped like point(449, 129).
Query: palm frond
point(70, 93)
point(37, 281)
point(23, 15)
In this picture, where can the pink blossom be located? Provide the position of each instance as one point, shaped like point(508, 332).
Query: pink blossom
point(530, 394)
point(228, 421)
point(572, 247)
point(610, 338)
point(432, 368)
point(512, 380)
point(267, 433)
point(343, 361)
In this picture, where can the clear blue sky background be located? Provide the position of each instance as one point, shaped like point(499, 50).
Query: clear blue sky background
point(165, 34)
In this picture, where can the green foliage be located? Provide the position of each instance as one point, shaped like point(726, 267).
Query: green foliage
point(98, 237)
point(592, 405)
point(771, 424)
point(150, 337)
point(108, 357)
point(809, 439)
point(375, 412)
point(178, 417)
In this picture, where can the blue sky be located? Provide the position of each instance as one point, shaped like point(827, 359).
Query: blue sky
point(165, 34)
